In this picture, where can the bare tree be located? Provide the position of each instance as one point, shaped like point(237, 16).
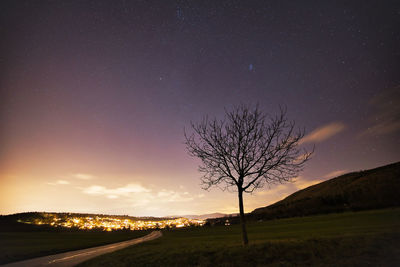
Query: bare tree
point(245, 151)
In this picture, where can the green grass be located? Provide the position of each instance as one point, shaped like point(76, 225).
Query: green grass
point(360, 238)
point(16, 246)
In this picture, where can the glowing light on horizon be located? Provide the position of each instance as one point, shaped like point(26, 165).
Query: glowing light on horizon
point(111, 223)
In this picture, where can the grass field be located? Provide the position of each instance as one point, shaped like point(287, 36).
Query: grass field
point(367, 238)
point(16, 246)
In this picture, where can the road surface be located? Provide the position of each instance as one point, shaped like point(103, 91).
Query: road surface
point(74, 257)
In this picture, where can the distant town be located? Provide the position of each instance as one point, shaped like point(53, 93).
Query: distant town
point(110, 223)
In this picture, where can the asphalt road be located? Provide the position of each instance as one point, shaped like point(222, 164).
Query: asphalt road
point(77, 256)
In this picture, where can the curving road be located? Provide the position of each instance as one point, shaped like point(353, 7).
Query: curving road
point(74, 257)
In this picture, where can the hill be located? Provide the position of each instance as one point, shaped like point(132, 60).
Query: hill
point(369, 189)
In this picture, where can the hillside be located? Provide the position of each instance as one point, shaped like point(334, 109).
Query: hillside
point(370, 189)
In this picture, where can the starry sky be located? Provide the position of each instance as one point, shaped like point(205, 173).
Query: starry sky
point(95, 96)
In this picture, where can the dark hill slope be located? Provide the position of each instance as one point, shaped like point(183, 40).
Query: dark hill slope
point(370, 189)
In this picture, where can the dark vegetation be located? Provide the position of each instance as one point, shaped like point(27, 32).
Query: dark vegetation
point(363, 190)
point(366, 238)
point(369, 189)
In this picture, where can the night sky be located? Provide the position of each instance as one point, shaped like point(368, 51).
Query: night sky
point(95, 95)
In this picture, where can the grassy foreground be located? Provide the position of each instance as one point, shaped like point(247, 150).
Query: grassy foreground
point(16, 246)
point(354, 239)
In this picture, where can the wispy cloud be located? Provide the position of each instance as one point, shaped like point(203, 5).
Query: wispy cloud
point(323, 133)
point(139, 194)
point(301, 183)
point(172, 196)
point(59, 182)
point(386, 113)
point(83, 176)
point(334, 174)
point(270, 195)
point(115, 192)
point(381, 128)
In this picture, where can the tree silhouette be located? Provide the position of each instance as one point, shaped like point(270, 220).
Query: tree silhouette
point(245, 151)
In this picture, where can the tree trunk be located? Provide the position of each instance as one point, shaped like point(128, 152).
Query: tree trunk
point(242, 218)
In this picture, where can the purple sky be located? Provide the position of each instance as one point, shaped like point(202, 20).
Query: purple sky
point(95, 95)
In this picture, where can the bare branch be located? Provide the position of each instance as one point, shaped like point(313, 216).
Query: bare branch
point(247, 149)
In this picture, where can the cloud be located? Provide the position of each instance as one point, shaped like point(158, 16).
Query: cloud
point(165, 193)
point(59, 182)
point(270, 195)
point(301, 158)
point(302, 183)
point(386, 113)
point(115, 192)
point(138, 194)
point(323, 133)
point(172, 196)
point(382, 128)
point(95, 190)
point(83, 176)
point(335, 174)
